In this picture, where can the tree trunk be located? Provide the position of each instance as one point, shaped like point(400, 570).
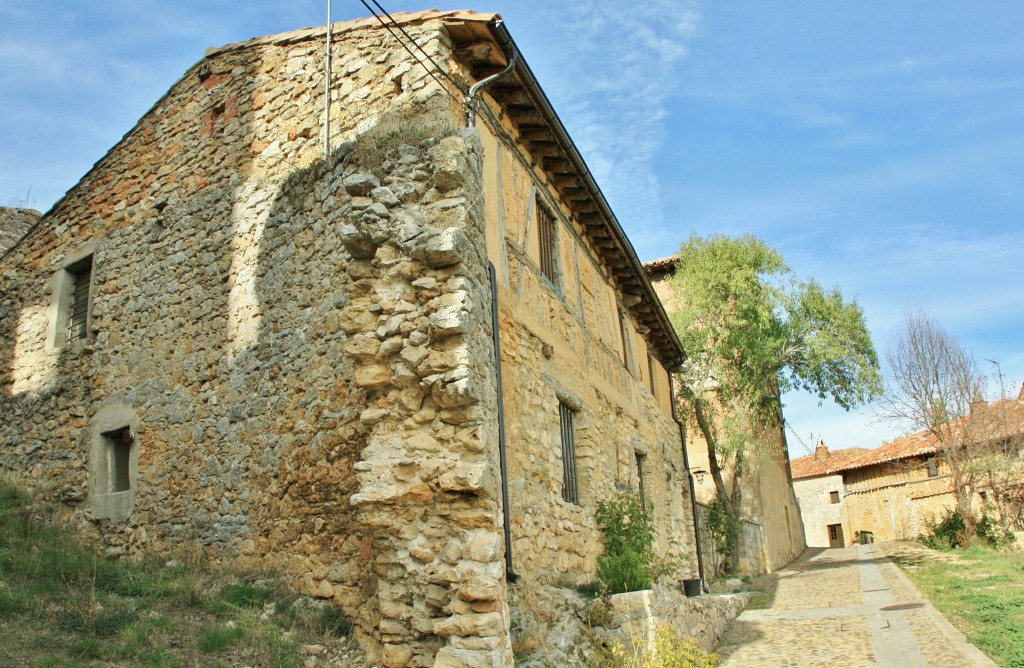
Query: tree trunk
point(730, 499)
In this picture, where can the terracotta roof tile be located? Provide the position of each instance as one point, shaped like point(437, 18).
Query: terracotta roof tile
point(824, 463)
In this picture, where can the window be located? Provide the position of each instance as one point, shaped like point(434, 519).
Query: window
point(640, 478)
point(833, 497)
point(570, 487)
point(650, 374)
point(625, 340)
point(70, 314)
point(79, 279)
point(933, 467)
point(117, 446)
point(546, 232)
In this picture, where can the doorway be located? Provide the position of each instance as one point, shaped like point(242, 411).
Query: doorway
point(835, 535)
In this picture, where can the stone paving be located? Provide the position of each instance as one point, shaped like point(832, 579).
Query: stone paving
point(846, 608)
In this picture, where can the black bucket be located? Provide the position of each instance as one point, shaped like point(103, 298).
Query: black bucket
point(692, 588)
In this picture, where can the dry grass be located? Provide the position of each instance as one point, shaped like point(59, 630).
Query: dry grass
point(63, 604)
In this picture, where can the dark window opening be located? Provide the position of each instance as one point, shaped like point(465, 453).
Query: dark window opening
point(118, 455)
point(570, 486)
point(622, 336)
point(650, 373)
point(834, 497)
point(640, 479)
point(546, 232)
point(933, 468)
point(78, 310)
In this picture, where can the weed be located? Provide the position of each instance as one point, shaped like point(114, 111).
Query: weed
point(628, 542)
point(219, 637)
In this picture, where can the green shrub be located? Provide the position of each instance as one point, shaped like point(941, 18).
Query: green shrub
point(623, 572)
point(946, 533)
point(629, 544)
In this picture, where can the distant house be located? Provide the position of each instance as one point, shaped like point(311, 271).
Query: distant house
point(892, 491)
point(772, 533)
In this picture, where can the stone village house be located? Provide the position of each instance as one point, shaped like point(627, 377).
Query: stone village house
point(892, 491)
point(772, 533)
point(218, 336)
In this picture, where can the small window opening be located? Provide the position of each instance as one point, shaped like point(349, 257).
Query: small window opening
point(117, 453)
point(78, 311)
point(546, 232)
point(833, 497)
point(933, 468)
point(650, 373)
point(625, 341)
point(570, 486)
point(640, 479)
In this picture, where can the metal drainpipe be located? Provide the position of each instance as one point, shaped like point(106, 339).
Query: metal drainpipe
point(510, 573)
point(693, 495)
point(480, 85)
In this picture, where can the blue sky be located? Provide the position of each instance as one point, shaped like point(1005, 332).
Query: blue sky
point(878, 146)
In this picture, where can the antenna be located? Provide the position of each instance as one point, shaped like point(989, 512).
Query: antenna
point(327, 86)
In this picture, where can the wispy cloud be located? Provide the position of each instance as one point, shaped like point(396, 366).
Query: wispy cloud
point(617, 65)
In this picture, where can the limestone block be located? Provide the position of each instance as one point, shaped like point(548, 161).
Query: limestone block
point(469, 477)
point(422, 442)
point(362, 348)
point(373, 376)
point(360, 184)
point(455, 657)
point(396, 656)
point(356, 241)
point(480, 589)
point(487, 624)
point(444, 249)
point(483, 546)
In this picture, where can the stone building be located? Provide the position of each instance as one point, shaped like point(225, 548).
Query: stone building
point(772, 532)
point(892, 491)
point(221, 336)
point(14, 223)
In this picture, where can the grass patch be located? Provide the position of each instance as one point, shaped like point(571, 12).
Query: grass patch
point(980, 591)
point(64, 604)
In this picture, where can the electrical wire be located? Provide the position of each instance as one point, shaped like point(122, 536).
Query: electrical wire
point(421, 49)
point(413, 54)
point(799, 440)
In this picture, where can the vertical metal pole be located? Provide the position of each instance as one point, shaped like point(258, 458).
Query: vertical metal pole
point(327, 87)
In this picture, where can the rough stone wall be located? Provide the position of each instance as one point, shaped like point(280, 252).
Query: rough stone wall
point(561, 342)
point(304, 349)
point(894, 500)
point(14, 223)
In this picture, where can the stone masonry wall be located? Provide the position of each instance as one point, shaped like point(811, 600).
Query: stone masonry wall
point(14, 223)
point(301, 348)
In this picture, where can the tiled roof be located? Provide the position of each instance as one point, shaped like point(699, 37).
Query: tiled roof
point(662, 265)
point(996, 421)
point(825, 462)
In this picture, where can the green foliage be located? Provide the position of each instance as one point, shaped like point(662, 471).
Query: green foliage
point(722, 526)
point(622, 572)
point(751, 326)
point(629, 544)
point(979, 591)
point(64, 604)
point(670, 651)
point(951, 531)
point(217, 638)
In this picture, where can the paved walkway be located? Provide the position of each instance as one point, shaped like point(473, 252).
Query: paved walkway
point(846, 608)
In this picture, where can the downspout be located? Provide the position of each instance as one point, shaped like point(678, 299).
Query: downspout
point(510, 574)
point(470, 100)
point(693, 494)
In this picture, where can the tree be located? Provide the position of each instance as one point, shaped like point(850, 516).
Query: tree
point(753, 331)
point(934, 383)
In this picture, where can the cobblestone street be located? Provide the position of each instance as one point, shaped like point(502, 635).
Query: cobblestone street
point(846, 608)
